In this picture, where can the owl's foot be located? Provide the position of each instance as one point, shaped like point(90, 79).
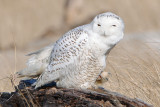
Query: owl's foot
point(103, 77)
point(100, 78)
point(51, 90)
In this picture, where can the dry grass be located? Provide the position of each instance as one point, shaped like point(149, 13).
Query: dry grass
point(135, 71)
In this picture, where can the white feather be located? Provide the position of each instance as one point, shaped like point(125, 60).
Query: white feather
point(37, 63)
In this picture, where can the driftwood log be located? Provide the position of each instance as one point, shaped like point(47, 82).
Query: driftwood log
point(59, 97)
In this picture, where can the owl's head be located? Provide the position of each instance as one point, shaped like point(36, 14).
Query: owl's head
point(108, 24)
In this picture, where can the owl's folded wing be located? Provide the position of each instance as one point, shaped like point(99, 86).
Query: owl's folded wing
point(64, 53)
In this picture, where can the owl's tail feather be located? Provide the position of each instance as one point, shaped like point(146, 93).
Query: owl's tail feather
point(29, 72)
point(37, 64)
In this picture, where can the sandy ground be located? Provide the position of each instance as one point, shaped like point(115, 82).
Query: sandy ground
point(133, 64)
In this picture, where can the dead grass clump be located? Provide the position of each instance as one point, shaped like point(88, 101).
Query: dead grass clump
point(135, 69)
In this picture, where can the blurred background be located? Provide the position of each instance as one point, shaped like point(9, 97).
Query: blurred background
point(134, 64)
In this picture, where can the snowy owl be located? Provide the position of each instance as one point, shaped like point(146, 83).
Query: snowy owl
point(78, 58)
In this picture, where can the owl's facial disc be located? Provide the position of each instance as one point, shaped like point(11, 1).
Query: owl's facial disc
point(108, 24)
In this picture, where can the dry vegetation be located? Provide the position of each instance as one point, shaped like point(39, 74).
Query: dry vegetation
point(135, 70)
point(134, 64)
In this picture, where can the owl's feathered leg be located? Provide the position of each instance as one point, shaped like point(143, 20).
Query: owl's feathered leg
point(103, 77)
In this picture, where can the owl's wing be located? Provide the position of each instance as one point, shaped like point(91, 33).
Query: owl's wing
point(65, 52)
